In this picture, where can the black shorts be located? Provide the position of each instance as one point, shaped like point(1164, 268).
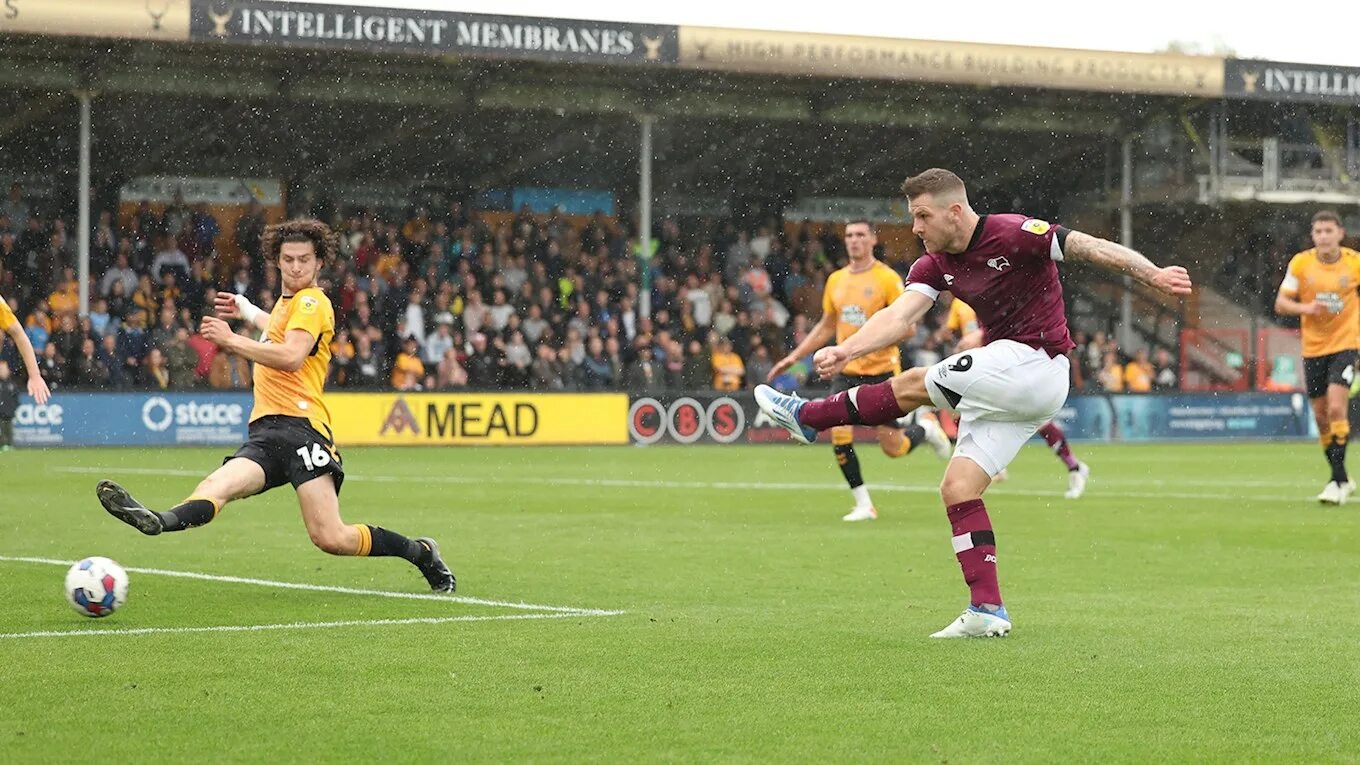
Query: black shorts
point(1332, 369)
point(843, 383)
point(291, 451)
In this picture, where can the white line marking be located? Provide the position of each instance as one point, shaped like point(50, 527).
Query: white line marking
point(293, 625)
point(1303, 496)
point(566, 610)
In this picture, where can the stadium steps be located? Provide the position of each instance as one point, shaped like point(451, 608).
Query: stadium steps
point(1157, 320)
point(1218, 311)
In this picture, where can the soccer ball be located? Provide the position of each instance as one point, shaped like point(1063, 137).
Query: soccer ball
point(96, 586)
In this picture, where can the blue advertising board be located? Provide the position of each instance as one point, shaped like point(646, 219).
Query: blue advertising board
point(569, 201)
point(133, 419)
point(210, 418)
point(1261, 416)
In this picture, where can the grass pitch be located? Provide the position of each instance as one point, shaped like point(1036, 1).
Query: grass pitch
point(1196, 605)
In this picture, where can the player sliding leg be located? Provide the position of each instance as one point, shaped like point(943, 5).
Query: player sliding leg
point(1017, 381)
point(241, 477)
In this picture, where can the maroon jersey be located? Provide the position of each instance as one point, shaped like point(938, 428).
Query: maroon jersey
point(1009, 275)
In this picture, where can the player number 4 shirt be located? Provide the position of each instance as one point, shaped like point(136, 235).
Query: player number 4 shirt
point(1333, 285)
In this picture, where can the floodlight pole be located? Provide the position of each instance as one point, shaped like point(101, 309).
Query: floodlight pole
point(645, 216)
point(1126, 238)
point(83, 201)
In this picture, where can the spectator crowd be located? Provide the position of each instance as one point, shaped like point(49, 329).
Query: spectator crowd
point(456, 300)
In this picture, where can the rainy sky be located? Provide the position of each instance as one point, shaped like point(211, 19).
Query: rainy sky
point(1311, 32)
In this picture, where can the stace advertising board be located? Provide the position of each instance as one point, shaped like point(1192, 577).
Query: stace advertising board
point(134, 419)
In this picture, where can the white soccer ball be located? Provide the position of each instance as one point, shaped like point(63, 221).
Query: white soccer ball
point(96, 586)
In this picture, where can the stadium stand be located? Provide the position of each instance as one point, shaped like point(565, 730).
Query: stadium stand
point(450, 300)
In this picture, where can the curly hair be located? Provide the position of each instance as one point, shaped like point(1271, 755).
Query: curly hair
point(325, 242)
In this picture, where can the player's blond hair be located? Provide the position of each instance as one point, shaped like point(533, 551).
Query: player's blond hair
point(325, 242)
point(937, 182)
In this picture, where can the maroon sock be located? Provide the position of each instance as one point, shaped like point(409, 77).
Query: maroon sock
point(1057, 441)
point(975, 548)
point(876, 404)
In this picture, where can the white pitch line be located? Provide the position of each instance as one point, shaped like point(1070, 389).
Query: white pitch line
point(565, 610)
point(664, 484)
point(292, 625)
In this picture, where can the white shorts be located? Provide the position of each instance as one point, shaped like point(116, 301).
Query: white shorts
point(1003, 392)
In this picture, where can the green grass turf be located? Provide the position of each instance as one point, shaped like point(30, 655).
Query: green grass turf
point(1195, 606)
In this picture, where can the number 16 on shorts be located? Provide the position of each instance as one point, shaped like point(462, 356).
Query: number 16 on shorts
point(314, 456)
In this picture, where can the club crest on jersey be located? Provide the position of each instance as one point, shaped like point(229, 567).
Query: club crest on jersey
point(853, 315)
point(948, 280)
point(307, 304)
point(1001, 263)
point(1036, 226)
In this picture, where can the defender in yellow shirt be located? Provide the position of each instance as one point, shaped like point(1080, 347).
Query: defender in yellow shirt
point(851, 296)
point(1320, 288)
point(10, 325)
point(290, 437)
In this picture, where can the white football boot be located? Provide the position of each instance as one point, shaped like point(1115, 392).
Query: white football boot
point(1333, 494)
point(977, 622)
point(1076, 481)
point(861, 514)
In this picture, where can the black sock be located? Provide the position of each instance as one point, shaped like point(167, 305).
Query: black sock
point(845, 457)
point(1336, 457)
point(916, 435)
point(192, 512)
point(390, 543)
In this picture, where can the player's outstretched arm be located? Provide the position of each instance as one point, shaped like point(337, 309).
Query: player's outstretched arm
point(287, 356)
point(887, 327)
point(821, 333)
point(1173, 280)
point(37, 386)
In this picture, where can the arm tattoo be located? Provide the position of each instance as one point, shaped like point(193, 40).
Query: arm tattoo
point(1109, 255)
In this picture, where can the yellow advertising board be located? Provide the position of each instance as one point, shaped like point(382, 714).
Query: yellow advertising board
point(139, 19)
point(477, 419)
point(748, 50)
